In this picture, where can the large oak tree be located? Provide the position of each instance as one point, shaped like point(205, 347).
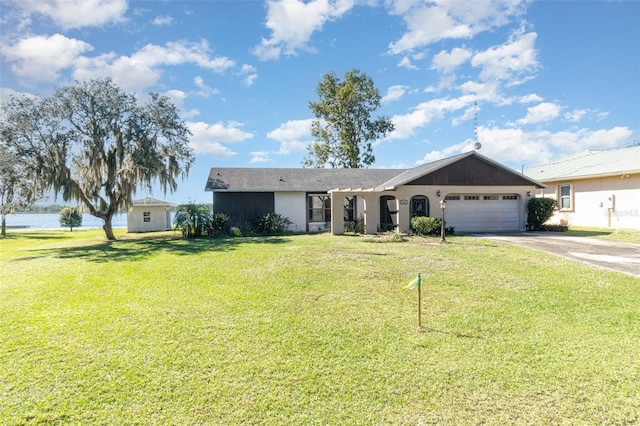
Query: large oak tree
point(345, 129)
point(96, 144)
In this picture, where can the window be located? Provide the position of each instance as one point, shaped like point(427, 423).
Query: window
point(471, 197)
point(350, 208)
point(146, 216)
point(565, 197)
point(319, 208)
point(491, 197)
point(419, 206)
point(509, 197)
point(452, 197)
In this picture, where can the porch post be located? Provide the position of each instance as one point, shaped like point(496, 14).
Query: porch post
point(372, 213)
point(337, 219)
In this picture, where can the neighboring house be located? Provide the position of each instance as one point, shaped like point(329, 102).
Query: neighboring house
point(480, 195)
point(594, 188)
point(149, 215)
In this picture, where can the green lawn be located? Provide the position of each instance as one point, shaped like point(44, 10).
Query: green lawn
point(310, 329)
point(628, 235)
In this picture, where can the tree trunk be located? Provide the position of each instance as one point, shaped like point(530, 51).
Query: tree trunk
point(4, 227)
point(108, 230)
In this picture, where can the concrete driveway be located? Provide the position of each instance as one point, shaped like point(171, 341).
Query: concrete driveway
point(614, 255)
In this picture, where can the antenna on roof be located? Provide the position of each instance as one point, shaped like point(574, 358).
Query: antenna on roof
point(476, 145)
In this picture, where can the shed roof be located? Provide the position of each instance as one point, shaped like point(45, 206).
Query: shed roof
point(294, 180)
point(589, 164)
point(148, 201)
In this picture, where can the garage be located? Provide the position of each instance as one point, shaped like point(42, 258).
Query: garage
point(483, 212)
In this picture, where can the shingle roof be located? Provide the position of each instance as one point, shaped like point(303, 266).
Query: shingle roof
point(291, 180)
point(589, 164)
point(322, 180)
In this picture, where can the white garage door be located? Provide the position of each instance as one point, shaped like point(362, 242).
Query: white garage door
point(483, 213)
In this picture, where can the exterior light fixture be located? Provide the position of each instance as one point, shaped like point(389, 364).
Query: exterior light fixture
point(528, 193)
point(438, 193)
point(443, 205)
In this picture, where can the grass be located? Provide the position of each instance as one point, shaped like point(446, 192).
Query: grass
point(625, 235)
point(153, 329)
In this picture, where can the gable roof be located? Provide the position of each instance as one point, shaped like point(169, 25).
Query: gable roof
point(589, 164)
point(448, 171)
point(148, 201)
point(294, 180)
point(443, 172)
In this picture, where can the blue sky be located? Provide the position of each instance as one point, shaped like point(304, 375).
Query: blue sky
point(536, 80)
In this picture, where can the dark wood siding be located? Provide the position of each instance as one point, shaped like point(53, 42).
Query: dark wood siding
point(471, 171)
point(242, 207)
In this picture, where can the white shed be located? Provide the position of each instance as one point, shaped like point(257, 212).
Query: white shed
point(148, 215)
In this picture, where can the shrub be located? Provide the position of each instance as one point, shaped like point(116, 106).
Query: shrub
point(356, 227)
point(70, 217)
point(424, 225)
point(235, 231)
point(217, 224)
point(192, 219)
point(271, 224)
point(539, 210)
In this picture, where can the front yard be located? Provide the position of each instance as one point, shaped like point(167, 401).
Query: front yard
point(310, 329)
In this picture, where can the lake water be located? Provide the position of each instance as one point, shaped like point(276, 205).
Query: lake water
point(52, 221)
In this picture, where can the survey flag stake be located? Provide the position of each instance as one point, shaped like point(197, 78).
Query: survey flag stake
point(415, 283)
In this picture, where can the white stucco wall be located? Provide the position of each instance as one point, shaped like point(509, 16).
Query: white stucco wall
point(591, 204)
point(403, 196)
point(159, 219)
point(293, 205)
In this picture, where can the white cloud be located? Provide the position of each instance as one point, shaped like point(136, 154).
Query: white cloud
point(424, 113)
point(205, 91)
point(260, 157)
point(293, 22)
point(405, 62)
point(76, 13)
point(41, 58)
point(394, 93)
point(446, 62)
point(530, 98)
point(576, 115)
point(542, 112)
point(209, 138)
point(144, 68)
point(249, 74)
point(514, 59)
point(7, 93)
point(178, 97)
point(519, 147)
point(294, 135)
point(429, 22)
point(162, 21)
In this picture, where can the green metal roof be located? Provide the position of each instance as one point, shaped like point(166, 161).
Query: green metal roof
point(589, 164)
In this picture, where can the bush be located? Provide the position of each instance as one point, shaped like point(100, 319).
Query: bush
point(271, 224)
point(539, 210)
point(70, 217)
point(356, 227)
point(192, 219)
point(423, 225)
point(217, 224)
